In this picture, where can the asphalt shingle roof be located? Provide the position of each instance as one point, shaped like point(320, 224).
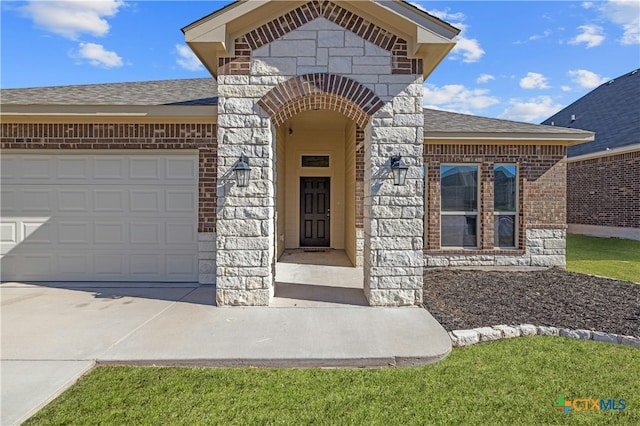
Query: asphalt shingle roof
point(203, 91)
point(198, 91)
point(612, 111)
point(444, 121)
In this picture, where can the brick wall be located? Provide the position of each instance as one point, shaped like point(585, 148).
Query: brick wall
point(605, 191)
point(283, 25)
point(120, 136)
point(542, 180)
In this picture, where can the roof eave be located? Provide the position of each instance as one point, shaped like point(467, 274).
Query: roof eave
point(567, 139)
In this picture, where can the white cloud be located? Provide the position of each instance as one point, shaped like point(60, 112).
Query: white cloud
point(534, 80)
point(592, 35)
point(456, 97)
point(70, 18)
point(565, 88)
point(587, 79)
point(469, 48)
point(546, 33)
point(98, 56)
point(531, 110)
point(445, 15)
point(587, 4)
point(484, 78)
point(187, 59)
point(625, 13)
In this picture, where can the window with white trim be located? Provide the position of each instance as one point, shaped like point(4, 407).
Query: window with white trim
point(459, 205)
point(505, 205)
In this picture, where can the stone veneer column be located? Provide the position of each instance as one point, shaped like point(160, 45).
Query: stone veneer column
point(393, 215)
point(245, 216)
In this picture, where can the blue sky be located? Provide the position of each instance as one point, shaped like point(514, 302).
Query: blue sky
point(514, 59)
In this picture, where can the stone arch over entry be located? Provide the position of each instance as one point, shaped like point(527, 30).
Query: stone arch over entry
point(321, 91)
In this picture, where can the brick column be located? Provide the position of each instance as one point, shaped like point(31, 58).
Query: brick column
point(393, 215)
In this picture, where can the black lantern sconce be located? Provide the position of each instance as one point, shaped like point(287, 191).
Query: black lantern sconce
point(399, 170)
point(242, 171)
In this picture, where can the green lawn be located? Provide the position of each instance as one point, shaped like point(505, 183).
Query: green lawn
point(506, 382)
point(607, 257)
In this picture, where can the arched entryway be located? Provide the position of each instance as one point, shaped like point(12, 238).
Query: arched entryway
point(319, 187)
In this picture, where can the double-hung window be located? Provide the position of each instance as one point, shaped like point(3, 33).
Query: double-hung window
point(459, 205)
point(505, 205)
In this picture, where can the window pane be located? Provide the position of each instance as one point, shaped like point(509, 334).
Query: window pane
point(504, 231)
point(459, 231)
point(315, 161)
point(505, 188)
point(459, 187)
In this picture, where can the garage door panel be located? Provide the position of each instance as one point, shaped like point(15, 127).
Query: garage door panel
point(8, 232)
point(99, 217)
point(35, 168)
point(145, 168)
point(74, 233)
point(34, 200)
point(74, 265)
point(148, 201)
point(181, 170)
point(73, 200)
point(109, 233)
point(72, 168)
point(8, 201)
point(108, 168)
point(109, 200)
point(146, 233)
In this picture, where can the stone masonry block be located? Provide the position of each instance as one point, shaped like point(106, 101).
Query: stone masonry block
point(604, 337)
point(257, 297)
point(488, 334)
point(507, 331)
point(466, 337)
point(576, 334)
point(528, 330)
point(392, 297)
point(547, 331)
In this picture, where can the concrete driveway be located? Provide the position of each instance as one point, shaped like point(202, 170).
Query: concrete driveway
point(53, 334)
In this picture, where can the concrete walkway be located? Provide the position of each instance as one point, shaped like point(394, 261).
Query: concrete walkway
point(52, 334)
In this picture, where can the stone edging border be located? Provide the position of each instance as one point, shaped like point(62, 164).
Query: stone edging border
point(487, 334)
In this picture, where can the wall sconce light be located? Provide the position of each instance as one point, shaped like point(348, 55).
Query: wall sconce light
point(243, 171)
point(399, 170)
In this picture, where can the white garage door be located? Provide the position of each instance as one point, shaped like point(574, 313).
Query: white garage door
point(99, 217)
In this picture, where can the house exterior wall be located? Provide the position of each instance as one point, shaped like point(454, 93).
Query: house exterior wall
point(320, 56)
point(75, 136)
point(604, 191)
point(541, 212)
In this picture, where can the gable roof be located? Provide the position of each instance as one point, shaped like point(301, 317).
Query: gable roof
point(612, 111)
point(213, 36)
point(443, 125)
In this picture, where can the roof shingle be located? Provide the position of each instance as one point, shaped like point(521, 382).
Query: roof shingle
point(198, 91)
point(612, 111)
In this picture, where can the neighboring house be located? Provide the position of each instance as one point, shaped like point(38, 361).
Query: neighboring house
point(603, 176)
point(137, 181)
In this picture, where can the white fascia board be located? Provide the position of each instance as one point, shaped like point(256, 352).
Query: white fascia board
point(567, 138)
point(605, 153)
point(432, 24)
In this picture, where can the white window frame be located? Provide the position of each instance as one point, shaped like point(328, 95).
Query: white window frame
point(463, 213)
point(516, 213)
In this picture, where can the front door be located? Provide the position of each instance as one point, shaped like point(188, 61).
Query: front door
point(314, 211)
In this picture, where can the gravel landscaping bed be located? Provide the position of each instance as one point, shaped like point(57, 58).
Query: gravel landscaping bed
point(463, 299)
